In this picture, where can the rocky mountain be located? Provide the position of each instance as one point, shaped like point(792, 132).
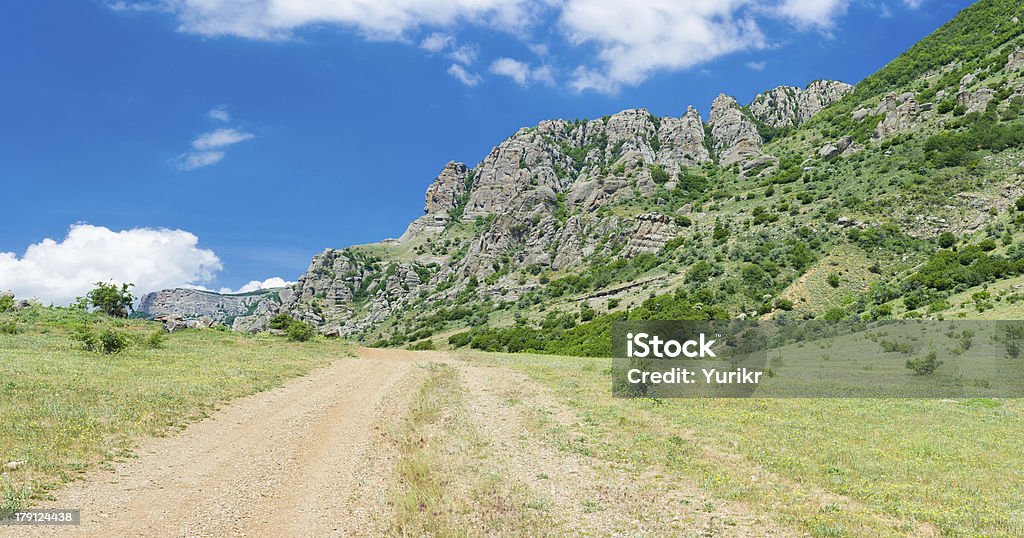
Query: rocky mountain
point(243, 312)
point(789, 106)
point(824, 201)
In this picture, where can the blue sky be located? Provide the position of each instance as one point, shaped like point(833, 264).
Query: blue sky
point(215, 143)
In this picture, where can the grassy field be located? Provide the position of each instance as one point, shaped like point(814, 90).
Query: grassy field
point(842, 467)
point(64, 410)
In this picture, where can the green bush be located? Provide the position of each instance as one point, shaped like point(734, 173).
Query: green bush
point(6, 303)
point(156, 339)
point(459, 339)
point(946, 240)
point(111, 341)
point(833, 280)
point(9, 326)
point(924, 365)
point(86, 337)
point(423, 345)
point(300, 332)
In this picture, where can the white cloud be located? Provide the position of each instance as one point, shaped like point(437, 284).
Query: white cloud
point(757, 66)
point(378, 19)
point(465, 77)
point(208, 148)
point(913, 4)
point(465, 54)
point(198, 159)
point(637, 39)
point(815, 13)
point(521, 72)
point(152, 259)
point(436, 42)
point(220, 138)
point(219, 114)
point(611, 43)
point(255, 285)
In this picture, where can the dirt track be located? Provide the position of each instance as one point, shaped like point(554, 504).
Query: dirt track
point(316, 458)
point(302, 460)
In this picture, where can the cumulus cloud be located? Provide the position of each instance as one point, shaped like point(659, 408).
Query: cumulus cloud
point(611, 43)
point(757, 66)
point(636, 39)
point(208, 148)
point(378, 19)
point(521, 72)
point(152, 259)
point(464, 76)
point(256, 285)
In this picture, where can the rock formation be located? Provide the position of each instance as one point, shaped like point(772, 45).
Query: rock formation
point(735, 136)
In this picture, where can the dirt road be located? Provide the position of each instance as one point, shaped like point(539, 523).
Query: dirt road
point(306, 459)
point(318, 457)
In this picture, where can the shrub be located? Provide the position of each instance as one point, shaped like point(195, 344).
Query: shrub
point(834, 314)
point(896, 346)
point(9, 326)
point(459, 339)
point(156, 339)
point(6, 303)
point(613, 303)
point(111, 300)
point(423, 345)
point(924, 365)
point(946, 240)
point(299, 331)
point(833, 280)
point(683, 221)
point(111, 341)
point(86, 337)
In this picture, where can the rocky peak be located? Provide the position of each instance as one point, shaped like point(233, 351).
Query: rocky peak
point(789, 106)
point(735, 136)
point(631, 131)
point(444, 192)
point(682, 140)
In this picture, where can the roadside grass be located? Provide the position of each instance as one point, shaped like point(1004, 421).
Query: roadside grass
point(446, 484)
point(65, 410)
point(842, 467)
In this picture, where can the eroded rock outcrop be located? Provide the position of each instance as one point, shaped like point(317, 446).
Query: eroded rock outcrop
point(789, 106)
point(735, 137)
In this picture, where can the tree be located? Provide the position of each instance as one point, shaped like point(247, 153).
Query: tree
point(112, 300)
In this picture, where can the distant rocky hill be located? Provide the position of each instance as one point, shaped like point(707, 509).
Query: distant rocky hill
point(751, 211)
point(241, 311)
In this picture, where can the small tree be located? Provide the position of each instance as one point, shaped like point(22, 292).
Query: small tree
point(924, 365)
point(112, 300)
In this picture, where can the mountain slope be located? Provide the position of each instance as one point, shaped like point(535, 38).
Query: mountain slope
point(886, 199)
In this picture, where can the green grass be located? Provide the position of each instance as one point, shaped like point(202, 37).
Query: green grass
point(842, 467)
point(65, 410)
